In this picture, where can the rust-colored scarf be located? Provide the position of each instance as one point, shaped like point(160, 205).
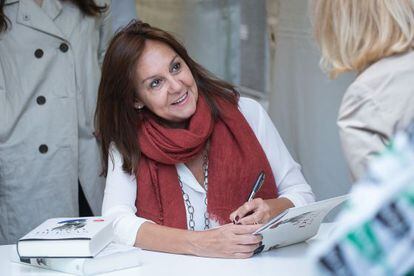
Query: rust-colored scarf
point(235, 160)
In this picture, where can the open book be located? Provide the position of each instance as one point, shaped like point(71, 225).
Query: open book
point(296, 224)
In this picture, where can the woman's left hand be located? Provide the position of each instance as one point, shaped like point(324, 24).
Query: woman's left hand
point(259, 211)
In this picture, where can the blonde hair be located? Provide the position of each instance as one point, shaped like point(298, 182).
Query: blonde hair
point(353, 34)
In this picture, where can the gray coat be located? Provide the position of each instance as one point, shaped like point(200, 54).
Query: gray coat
point(49, 75)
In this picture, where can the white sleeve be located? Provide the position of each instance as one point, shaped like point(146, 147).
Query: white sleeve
point(119, 200)
point(288, 176)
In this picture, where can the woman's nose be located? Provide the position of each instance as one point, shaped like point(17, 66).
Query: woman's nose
point(175, 85)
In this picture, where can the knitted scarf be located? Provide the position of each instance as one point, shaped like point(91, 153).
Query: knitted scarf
point(235, 160)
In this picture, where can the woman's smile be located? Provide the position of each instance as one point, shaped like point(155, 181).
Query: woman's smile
point(182, 100)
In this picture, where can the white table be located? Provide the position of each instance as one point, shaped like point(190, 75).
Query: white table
point(290, 260)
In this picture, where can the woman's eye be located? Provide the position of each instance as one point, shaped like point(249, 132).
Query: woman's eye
point(155, 83)
point(176, 67)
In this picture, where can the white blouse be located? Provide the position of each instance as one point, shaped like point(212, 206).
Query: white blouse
point(121, 187)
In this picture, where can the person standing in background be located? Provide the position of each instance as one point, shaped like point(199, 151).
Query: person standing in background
point(374, 39)
point(50, 56)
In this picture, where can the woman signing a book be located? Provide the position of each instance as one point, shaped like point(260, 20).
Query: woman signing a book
point(182, 152)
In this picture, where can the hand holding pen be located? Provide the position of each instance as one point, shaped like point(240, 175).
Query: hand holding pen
point(257, 210)
point(246, 211)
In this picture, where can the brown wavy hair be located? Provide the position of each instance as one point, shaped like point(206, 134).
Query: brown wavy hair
point(116, 118)
point(88, 7)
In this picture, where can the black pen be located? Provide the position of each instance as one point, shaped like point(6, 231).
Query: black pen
point(257, 185)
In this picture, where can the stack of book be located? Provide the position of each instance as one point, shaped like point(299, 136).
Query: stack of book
point(81, 246)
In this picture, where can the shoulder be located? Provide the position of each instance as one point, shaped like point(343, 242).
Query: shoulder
point(249, 107)
point(387, 79)
point(392, 64)
point(254, 113)
point(386, 74)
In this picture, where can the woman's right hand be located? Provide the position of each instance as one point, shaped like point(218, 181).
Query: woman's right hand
point(227, 241)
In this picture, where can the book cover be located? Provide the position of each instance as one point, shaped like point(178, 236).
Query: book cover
point(296, 224)
point(113, 257)
point(67, 237)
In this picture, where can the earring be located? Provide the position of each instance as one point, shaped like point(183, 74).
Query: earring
point(139, 106)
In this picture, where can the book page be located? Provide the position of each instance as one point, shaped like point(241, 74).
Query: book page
point(296, 224)
point(304, 215)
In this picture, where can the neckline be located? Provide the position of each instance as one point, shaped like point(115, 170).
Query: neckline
point(188, 178)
